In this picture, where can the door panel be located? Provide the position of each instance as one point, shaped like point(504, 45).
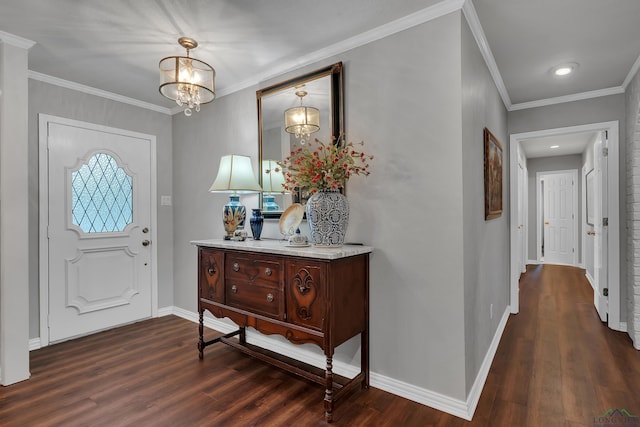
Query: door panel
point(600, 238)
point(99, 217)
point(559, 218)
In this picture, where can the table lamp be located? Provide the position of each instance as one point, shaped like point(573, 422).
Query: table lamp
point(272, 180)
point(235, 176)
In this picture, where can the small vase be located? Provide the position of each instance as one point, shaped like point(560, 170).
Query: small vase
point(256, 221)
point(328, 218)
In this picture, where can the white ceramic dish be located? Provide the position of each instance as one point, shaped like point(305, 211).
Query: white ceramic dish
point(291, 219)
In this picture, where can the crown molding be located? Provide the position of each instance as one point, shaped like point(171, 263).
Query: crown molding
point(568, 98)
point(16, 41)
point(470, 14)
point(97, 92)
point(425, 15)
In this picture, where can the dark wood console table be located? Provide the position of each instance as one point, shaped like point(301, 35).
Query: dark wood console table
point(307, 295)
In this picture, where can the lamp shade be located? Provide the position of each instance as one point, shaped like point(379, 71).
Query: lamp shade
point(235, 175)
point(272, 177)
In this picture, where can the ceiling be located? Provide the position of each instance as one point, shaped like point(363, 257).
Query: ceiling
point(564, 145)
point(115, 45)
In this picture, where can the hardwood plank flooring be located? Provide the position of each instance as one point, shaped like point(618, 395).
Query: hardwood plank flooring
point(557, 365)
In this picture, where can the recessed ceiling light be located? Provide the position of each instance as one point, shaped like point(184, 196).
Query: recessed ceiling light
point(564, 69)
point(555, 146)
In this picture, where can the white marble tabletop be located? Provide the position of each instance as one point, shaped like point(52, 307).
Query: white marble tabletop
point(282, 247)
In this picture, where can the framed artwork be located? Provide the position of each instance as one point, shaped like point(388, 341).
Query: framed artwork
point(590, 198)
point(492, 176)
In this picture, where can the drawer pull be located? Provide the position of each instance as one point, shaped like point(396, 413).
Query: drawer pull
point(212, 270)
point(236, 266)
point(267, 271)
point(269, 297)
point(234, 289)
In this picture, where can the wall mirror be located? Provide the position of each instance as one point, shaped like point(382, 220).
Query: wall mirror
point(321, 90)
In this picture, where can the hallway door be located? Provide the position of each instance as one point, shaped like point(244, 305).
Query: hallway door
point(559, 219)
point(600, 238)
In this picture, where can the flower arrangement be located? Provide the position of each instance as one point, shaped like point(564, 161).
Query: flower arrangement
point(323, 166)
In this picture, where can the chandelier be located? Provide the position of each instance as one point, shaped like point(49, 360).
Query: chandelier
point(302, 121)
point(188, 81)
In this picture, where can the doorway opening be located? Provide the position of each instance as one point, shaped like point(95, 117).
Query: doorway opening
point(609, 227)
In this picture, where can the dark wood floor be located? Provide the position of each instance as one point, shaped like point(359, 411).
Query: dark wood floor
point(556, 365)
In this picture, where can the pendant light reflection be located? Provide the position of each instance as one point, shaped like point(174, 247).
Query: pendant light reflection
point(302, 121)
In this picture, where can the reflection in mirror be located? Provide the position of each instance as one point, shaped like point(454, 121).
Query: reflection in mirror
point(323, 92)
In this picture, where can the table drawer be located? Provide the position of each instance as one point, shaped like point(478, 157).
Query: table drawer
point(255, 298)
point(254, 269)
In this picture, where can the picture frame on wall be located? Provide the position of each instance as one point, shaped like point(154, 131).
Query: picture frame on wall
point(493, 161)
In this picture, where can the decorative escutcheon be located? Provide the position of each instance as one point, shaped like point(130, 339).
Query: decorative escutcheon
point(269, 297)
point(234, 289)
point(236, 266)
point(212, 270)
point(267, 271)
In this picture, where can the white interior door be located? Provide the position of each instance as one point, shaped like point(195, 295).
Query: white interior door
point(600, 237)
point(559, 217)
point(522, 215)
point(99, 205)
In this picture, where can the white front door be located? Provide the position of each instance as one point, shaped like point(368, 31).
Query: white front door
point(99, 223)
point(559, 197)
point(600, 300)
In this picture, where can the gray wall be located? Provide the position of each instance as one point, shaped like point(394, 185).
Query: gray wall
point(595, 110)
point(486, 247)
point(403, 98)
point(57, 101)
point(550, 164)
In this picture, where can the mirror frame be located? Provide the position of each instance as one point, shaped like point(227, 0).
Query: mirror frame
point(335, 71)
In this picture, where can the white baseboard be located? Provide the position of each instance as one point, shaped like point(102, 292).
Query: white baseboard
point(533, 262)
point(590, 279)
point(481, 378)
point(450, 405)
point(34, 344)
point(623, 327)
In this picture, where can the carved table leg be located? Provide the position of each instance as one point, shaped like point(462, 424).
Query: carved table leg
point(328, 394)
point(201, 335)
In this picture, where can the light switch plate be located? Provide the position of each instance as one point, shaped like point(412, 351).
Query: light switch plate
point(165, 200)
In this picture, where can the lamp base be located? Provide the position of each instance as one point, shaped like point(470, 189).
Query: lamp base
point(269, 203)
point(233, 216)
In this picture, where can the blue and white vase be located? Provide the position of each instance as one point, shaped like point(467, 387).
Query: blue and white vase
point(328, 218)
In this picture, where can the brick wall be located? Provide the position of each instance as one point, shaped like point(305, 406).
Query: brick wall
point(633, 226)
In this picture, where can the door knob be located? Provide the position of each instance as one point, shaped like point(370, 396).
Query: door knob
point(146, 243)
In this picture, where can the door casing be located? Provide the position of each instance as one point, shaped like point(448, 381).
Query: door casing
point(44, 120)
point(613, 244)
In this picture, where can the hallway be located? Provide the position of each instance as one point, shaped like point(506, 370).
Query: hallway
point(557, 364)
